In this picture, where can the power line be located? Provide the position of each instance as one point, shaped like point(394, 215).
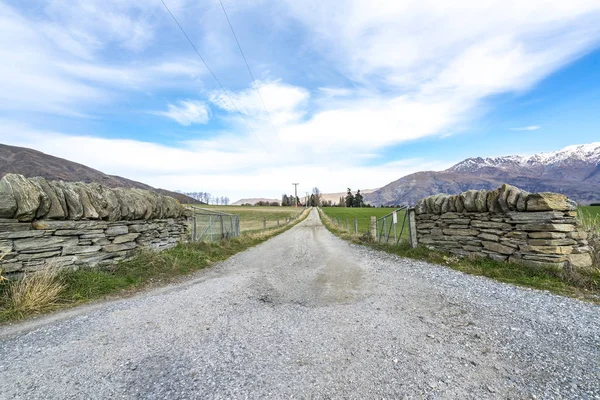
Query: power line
point(251, 75)
point(214, 76)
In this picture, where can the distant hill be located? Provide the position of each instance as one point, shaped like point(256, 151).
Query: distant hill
point(30, 163)
point(573, 171)
point(253, 201)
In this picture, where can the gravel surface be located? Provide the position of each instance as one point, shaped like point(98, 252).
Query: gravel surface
point(307, 315)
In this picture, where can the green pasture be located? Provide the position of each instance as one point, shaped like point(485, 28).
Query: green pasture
point(363, 215)
point(592, 211)
point(253, 218)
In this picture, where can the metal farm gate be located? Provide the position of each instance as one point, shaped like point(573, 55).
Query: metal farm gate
point(212, 226)
point(393, 227)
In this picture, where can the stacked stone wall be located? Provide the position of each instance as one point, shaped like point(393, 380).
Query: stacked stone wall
point(27, 247)
point(505, 224)
point(79, 224)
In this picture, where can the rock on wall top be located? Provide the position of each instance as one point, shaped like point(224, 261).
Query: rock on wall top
point(28, 199)
point(502, 200)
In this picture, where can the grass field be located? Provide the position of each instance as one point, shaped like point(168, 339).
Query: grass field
point(363, 215)
point(253, 218)
point(592, 211)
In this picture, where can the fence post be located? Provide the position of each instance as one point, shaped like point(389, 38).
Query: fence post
point(264, 223)
point(347, 227)
point(194, 229)
point(412, 227)
point(277, 223)
point(355, 225)
point(373, 228)
point(210, 226)
point(222, 228)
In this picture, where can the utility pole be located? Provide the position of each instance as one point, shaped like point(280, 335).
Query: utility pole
point(295, 194)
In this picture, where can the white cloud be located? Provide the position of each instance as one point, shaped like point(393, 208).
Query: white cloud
point(526, 128)
point(187, 112)
point(283, 102)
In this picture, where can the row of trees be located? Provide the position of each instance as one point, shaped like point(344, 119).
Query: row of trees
point(207, 198)
point(356, 200)
point(287, 201)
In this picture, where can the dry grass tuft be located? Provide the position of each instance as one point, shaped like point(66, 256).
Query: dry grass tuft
point(35, 292)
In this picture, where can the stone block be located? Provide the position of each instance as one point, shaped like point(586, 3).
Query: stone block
point(468, 200)
point(111, 248)
point(551, 242)
point(77, 232)
point(116, 230)
point(426, 225)
point(38, 243)
point(534, 216)
point(138, 228)
point(547, 249)
point(533, 263)
point(450, 215)
point(455, 226)
point(498, 248)
point(59, 225)
point(547, 227)
point(583, 260)
point(547, 235)
point(28, 197)
point(497, 257)
point(490, 225)
point(128, 237)
point(461, 232)
point(10, 267)
point(41, 250)
point(38, 256)
point(577, 235)
point(517, 235)
point(510, 243)
point(582, 249)
point(552, 258)
point(547, 201)
point(100, 241)
point(93, 236)
point(481, 201)
point(13, 226)
point(489, 236)
point(472, 248)
point(73, 250)
point(21, 234)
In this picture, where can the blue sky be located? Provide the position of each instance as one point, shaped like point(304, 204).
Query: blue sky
point(360, 92)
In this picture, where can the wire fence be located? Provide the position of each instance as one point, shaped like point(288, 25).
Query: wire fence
point(212, 226)
point(393, 227)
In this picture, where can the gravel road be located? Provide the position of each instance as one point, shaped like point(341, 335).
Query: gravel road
point(307, 315)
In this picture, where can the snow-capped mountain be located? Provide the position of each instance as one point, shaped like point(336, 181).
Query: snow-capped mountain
point(573, 170)
point(584, 154)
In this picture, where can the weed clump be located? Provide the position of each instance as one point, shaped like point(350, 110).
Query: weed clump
point(33, 293)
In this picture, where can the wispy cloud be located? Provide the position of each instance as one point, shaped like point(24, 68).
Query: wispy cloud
point(526, 128)
point(187, 112)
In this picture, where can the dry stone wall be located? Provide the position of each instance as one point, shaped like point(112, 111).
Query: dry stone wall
point(505, 224)
point(79, 224)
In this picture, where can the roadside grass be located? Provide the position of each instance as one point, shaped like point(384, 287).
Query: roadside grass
point(363, 215)
point(51, 289)
point(583, 284)
point(253, 218)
